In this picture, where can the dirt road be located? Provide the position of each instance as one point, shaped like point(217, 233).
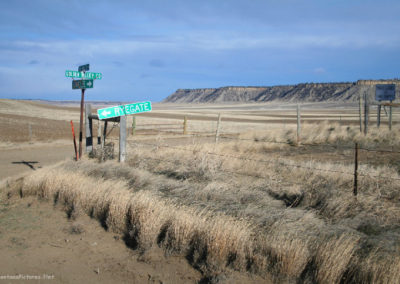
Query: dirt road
point(27, 158)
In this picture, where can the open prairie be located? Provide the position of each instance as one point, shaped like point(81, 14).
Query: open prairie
point(255, 204)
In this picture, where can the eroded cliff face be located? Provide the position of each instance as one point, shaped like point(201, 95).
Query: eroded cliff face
point(307, 92)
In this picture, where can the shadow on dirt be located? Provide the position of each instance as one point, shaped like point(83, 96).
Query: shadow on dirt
point(30, 164)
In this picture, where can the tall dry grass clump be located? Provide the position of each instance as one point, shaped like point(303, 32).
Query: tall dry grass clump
point(208, 240)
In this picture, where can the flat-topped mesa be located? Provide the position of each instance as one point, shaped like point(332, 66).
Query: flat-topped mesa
point(304, 92)
point(299, 92)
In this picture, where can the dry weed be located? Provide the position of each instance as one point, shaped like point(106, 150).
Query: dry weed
point(247, 205)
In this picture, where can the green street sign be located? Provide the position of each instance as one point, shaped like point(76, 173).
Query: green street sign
point(115, 111)
point(86, 75)
point(84, 67)
point(74, 74)
point(92, 75)
point(82, 84)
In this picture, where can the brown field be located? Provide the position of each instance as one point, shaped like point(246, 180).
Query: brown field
point(258, 207)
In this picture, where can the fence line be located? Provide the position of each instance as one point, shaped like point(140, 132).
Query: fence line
point(336, 146)
point(309, 144)
point(265, 161)
point(180, 126)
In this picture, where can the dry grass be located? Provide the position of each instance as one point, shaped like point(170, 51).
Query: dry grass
point(329, 133)
point(228, 210)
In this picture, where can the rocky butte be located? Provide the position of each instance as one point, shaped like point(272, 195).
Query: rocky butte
point(305, 92)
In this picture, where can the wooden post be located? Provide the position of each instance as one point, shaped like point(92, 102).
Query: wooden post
point(99, 132)
point(88, 128)
point(81, 123)
point(355, 187)
point(378, 116)
point(133, 125)
point(103, 141)
point(122, 139)
point(185, 125)
point(360, 111)
point(217, 131)
point(366, 114)
point(390, 116)
point(298, 125)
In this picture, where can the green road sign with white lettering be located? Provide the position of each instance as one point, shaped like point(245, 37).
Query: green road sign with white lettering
point(86, 75)
point(82, 84)
point(74, 74)
point(84, 67)
point(115, 111)
point(93, 75)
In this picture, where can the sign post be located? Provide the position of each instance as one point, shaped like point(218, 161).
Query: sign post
point(81, 123)
point(122, 111)
point(85, 83)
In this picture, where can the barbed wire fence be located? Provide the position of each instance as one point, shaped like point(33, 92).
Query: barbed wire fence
point(181, 129)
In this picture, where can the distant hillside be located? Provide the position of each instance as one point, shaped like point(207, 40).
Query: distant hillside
point(307, 92)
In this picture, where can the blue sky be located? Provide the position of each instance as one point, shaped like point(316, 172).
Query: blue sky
point(148, 49)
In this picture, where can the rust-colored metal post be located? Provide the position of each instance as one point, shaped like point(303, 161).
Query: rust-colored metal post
point(73, 137)
point(81, 123)
point(355, 187)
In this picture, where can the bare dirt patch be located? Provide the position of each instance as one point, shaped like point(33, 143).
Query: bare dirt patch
point(38, 240)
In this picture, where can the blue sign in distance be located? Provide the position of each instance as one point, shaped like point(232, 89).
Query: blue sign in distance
point(385, 92)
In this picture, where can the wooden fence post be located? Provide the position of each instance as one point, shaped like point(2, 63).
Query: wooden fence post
point(298, 125)
point(366, 114)
point(355, 187)
point(217, 131)
point(390, 116)
point(88, 128)
point(103, 141)
point(360, 111)
point(133, 125)
point(378, 115)
point(122, 139)
point(99, 132)
point(185, 125)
